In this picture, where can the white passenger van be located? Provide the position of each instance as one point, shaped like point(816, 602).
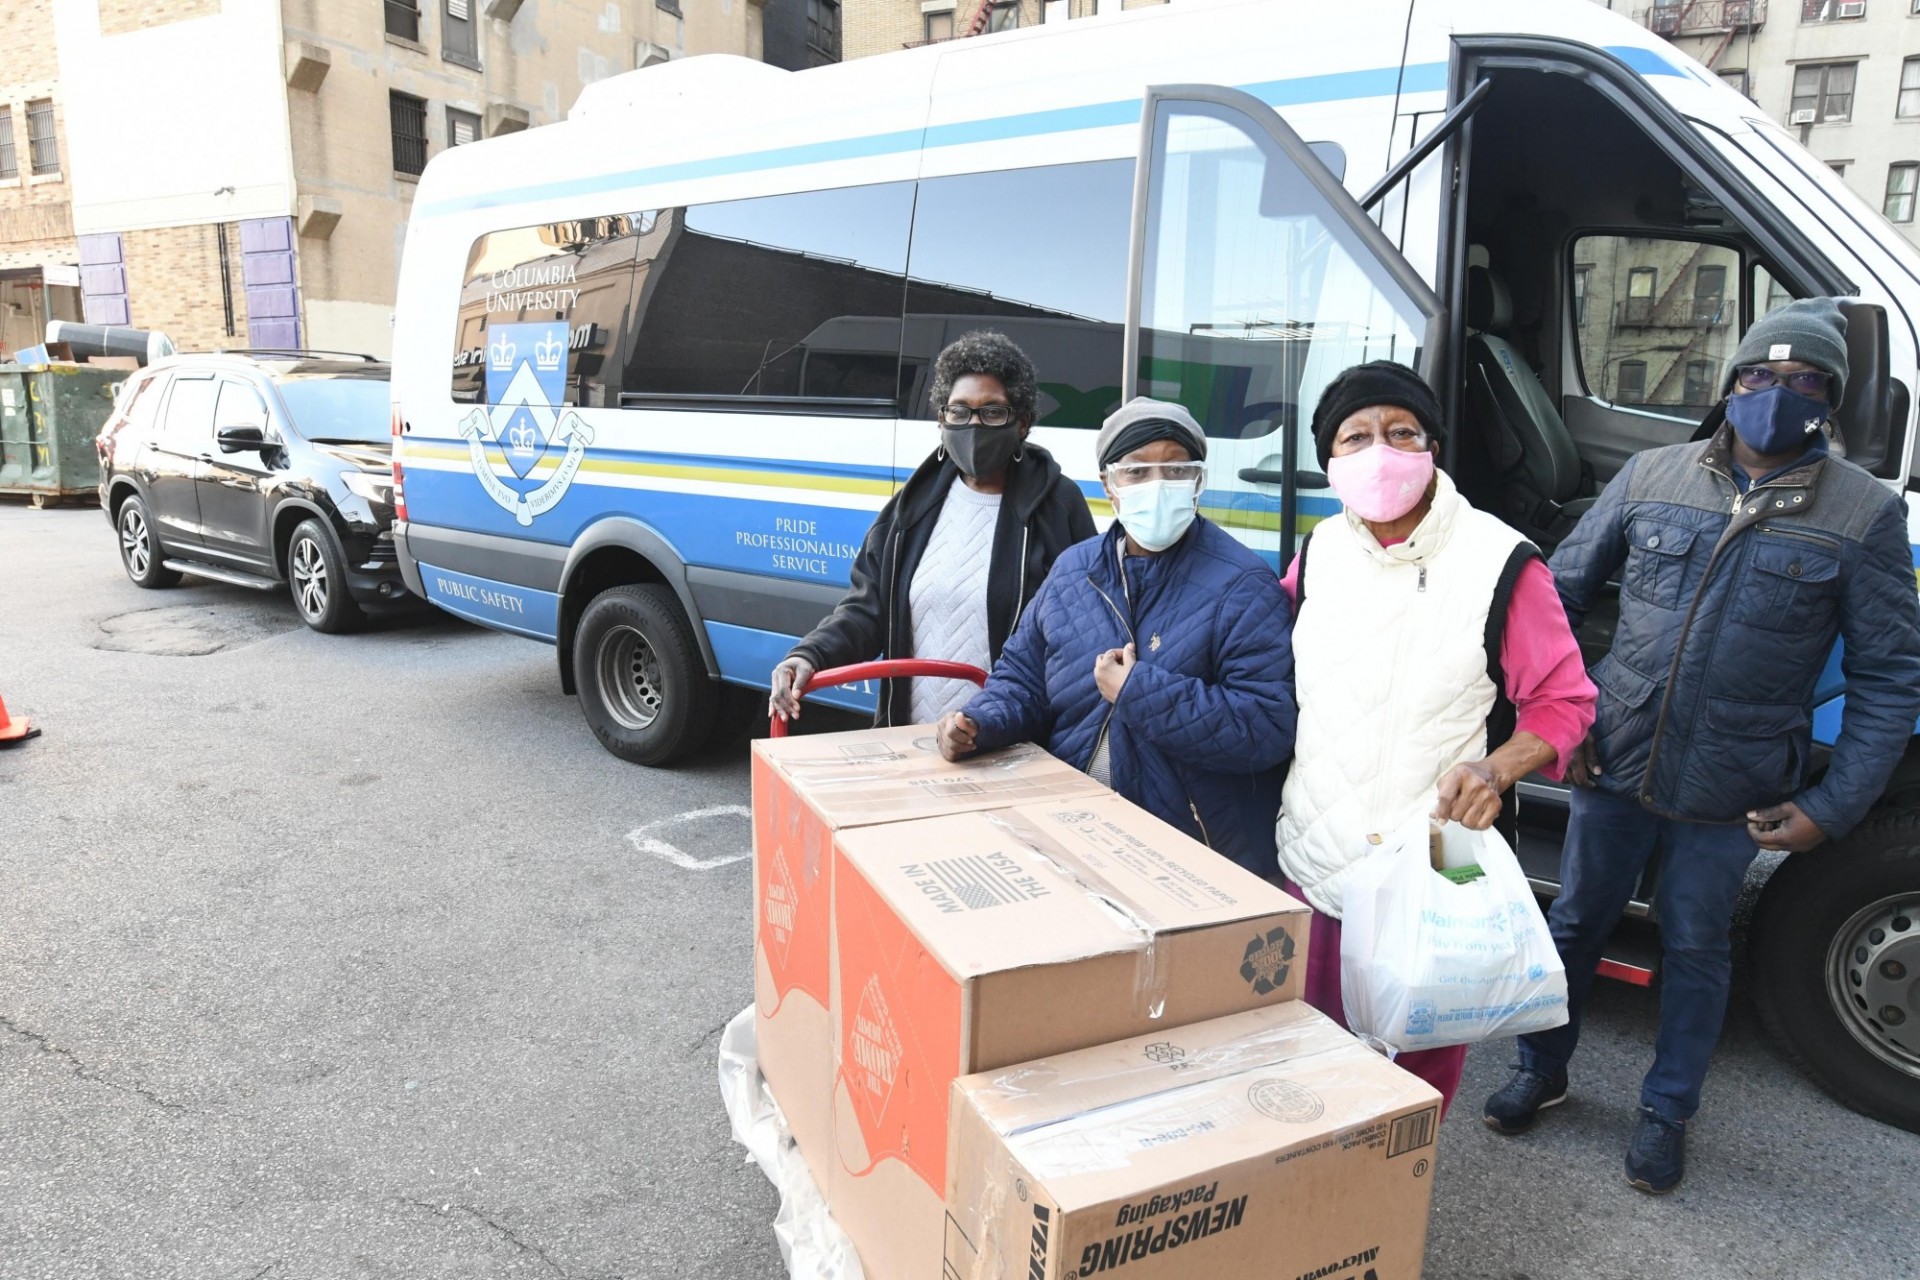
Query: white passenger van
point(650, 396)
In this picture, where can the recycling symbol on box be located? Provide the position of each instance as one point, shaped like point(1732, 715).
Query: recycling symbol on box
point(1269, 957)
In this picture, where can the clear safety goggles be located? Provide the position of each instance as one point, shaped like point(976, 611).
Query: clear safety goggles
point(1122, 474)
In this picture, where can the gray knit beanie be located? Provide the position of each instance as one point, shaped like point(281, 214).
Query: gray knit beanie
point(1140, 422)
point(1811, 330)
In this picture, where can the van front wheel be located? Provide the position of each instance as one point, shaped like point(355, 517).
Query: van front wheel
point(1835, 947)
point(643, 688)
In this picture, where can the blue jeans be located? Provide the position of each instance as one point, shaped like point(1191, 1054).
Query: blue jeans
point(1703, 866)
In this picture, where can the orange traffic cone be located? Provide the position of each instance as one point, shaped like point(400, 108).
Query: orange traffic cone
point(12, 731)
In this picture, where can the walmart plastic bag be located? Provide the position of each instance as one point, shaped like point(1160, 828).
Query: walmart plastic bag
point(811, 1242)
point(1426, 962)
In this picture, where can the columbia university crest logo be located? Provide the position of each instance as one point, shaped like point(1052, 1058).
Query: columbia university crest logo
point(526, 381)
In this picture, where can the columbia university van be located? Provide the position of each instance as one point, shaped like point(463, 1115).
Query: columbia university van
point(649, 398)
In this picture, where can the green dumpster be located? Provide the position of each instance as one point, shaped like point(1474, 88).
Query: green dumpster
point(49, 416)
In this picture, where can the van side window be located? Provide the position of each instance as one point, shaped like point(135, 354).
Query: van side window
point(1041, 255)
point(783, 302)
point(1656, 321)
point(579, 273)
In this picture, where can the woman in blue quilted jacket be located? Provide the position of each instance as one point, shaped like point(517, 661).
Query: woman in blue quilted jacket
point(1156, 656)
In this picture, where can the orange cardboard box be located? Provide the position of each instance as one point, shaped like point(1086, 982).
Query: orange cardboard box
point(804, 790)
point(975, 941)
point(1269, 1143)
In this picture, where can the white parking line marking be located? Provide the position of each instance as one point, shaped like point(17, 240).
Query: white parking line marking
point(644, 841)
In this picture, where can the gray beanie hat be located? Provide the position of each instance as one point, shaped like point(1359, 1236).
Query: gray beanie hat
point(1811, 330)
point(1141, 421)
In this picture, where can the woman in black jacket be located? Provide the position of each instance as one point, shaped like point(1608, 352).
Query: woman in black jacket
point(956, 555)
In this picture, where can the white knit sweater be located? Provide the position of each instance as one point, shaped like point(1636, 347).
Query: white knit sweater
point(947, 599)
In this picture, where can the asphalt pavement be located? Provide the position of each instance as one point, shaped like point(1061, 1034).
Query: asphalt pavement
point(356, 956)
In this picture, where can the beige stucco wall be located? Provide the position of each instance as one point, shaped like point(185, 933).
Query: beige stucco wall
point(535, 64)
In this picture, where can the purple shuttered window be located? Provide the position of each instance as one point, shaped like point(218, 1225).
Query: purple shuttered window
point(267, 270)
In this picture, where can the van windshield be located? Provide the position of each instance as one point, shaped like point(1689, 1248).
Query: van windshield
point(359, 410)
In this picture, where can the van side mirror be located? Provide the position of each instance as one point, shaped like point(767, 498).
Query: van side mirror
point(1866, 418)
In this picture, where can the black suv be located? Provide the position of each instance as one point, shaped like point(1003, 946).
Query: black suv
point(258, 468)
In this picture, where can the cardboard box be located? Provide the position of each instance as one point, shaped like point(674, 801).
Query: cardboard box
point(1269, 1143)
point(804, 790)
point(971, 942)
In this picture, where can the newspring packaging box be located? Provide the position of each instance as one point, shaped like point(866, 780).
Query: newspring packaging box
point(971, 942)
point(804, 790)
point(1268, 1144)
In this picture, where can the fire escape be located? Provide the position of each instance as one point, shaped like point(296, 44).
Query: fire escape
point(1719, 20)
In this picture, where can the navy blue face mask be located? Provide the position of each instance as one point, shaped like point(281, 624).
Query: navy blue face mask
point(1777, 420)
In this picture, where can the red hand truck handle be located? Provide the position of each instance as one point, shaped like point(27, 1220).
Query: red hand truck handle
point(885, 669)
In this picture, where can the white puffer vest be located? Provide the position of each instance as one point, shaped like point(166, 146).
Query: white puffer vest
point(1390, 665)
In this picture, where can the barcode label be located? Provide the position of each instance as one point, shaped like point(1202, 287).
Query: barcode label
point(1410, 1133)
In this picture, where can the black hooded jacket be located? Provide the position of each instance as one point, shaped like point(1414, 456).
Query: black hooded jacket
point(1042, 513)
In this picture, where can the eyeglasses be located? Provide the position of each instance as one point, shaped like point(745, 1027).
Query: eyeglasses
point(1807, 382)
point(1122, 474)
point(990, 415)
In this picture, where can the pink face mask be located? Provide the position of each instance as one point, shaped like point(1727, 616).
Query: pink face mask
point(1381, 483)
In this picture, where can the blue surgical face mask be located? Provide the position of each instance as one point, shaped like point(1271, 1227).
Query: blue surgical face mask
point(1777, 420)
point(1157, 513)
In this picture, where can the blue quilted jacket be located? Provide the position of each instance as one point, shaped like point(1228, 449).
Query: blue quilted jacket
point(1729, 606)
point(1204, 725)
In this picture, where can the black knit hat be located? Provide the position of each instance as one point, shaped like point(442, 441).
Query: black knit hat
point(1364, 385)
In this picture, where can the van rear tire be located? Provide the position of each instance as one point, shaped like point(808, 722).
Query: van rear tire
point(643, 687)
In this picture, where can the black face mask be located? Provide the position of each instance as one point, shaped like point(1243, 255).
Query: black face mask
point(981, 451)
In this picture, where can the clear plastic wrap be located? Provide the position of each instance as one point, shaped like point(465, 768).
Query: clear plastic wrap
point(811, 1242)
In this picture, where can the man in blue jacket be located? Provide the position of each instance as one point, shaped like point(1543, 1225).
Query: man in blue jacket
point(1156, 656)
point(1741, 558)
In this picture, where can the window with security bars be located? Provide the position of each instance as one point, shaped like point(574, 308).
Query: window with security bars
point(462, 127)
point(403, 19)
point(459, 38)
point(44, 149)
point(1822, 93)
point(823, 27)
point(1898, 205)
point(9, 162)
point(409, 116)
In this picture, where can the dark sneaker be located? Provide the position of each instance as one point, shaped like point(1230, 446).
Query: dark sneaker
point(1513, 1108)
point(1657, 1157)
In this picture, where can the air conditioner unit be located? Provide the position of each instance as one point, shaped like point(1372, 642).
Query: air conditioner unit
point(1853, 8)
point(1804, 115)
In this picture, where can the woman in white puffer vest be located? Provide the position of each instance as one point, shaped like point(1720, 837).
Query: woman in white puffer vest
point(1398, 672)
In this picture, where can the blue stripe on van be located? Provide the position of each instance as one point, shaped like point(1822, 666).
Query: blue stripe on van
point(1645, 61)
point(1373, 82)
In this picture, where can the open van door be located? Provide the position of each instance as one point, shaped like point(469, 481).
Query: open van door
point(1254, 279)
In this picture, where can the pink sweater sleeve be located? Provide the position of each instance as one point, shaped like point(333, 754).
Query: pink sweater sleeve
point(1545, 675)
point(1290, 581)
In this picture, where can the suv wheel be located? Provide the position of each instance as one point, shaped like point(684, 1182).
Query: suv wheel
point(1836, 964)
point(139, 551)
point(643, 687)
point(316, 575)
